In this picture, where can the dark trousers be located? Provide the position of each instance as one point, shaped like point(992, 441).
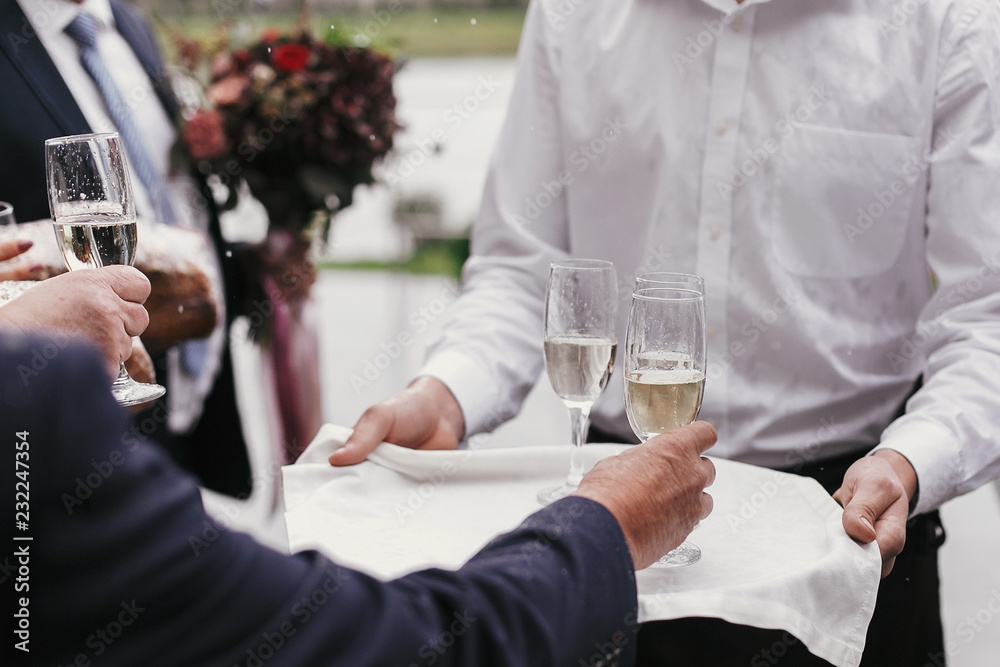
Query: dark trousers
point(905, 630)
point(215, 450)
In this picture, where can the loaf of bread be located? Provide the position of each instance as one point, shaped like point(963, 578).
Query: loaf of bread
point(184, 301)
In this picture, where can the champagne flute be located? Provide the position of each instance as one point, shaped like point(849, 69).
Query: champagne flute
point(665, 351)
point(93, 212)
point(687, 281)
point(7, 214)
point(581, 311)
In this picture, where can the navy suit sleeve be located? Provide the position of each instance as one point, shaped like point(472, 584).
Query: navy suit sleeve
point(126, 568)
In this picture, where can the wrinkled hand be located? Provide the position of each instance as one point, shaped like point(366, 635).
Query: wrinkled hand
point(656, 490)
point(876, 496)
point(423, 416)
point(20, 270)
point(101, 305)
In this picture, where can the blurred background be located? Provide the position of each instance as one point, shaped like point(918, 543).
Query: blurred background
point(391, 263)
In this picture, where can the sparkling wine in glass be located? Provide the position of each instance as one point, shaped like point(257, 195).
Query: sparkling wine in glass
point(580, 341)
point(93, 213)
point(665, 352)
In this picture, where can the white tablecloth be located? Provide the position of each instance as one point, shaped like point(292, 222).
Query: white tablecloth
point(775, 554)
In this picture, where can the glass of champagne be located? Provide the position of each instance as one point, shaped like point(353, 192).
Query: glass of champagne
point(581, 312)
point(93, 211)
point(7, 214)
point(670, 279)
point(665, 351)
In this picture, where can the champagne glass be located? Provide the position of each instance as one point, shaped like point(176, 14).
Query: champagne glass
point(581, 311)
point(687, 281)
point(7, 214)
point(665, 351)
point(93, 211)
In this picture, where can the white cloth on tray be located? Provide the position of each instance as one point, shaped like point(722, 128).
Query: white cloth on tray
point(775, 554)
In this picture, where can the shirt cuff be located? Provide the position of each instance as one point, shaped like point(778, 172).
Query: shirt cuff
point(472, 388)
point(934, 454)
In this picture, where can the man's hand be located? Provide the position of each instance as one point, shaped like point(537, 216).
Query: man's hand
point(876, 497)
point(423, 416)
point(20, 270)
point(656, 490)
point(101, 305)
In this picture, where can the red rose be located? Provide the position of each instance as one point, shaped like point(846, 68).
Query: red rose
point(290, 57)
point(205, 136)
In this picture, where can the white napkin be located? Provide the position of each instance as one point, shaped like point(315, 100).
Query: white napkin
point(774, 552)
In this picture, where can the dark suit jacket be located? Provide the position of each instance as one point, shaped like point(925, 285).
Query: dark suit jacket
point(125, 568)
point(36, 105)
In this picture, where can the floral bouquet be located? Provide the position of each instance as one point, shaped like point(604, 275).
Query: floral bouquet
point(301, 120)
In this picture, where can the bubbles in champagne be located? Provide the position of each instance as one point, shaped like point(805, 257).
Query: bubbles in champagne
point(659, 400)
point(93, 245)
point(579, 367)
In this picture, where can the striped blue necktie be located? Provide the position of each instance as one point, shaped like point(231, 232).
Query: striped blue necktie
point(84, 29)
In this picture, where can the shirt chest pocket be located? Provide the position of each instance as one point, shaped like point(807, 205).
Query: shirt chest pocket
point(842, 201)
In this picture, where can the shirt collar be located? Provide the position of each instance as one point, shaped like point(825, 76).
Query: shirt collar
point(731, 6)
point(51, 18)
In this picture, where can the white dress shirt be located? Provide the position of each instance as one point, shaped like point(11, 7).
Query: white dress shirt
point(49, 20)
point(813, 162)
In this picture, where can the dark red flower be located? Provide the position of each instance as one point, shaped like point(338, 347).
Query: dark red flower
point(205, 136)
point(290, 57)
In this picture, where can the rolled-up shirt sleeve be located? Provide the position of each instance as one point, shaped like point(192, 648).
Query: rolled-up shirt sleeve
point(949, 430)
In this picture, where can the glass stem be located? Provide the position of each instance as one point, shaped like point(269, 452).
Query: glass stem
point(123, 376)
point(579, 420)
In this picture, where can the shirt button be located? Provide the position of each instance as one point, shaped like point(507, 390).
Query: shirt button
point(714, 232)
point(737, 24)
point(722, 127)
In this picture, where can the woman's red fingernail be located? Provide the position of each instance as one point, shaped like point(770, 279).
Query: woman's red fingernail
point(24, 245)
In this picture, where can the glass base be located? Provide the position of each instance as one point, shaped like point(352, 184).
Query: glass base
point(685, 554)
point(128, 392)
point(549, 496)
